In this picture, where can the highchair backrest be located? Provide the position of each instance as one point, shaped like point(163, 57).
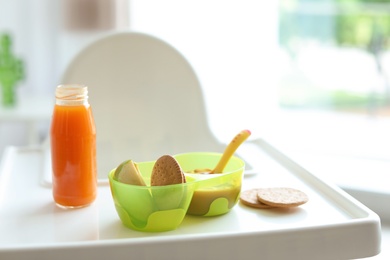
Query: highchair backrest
point(146, 99)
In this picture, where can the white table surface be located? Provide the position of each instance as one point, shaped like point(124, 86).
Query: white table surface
point(332, 225)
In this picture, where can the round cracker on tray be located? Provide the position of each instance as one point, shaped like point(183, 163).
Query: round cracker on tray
point(167, 171)
point(249, 198)
point(282, 197)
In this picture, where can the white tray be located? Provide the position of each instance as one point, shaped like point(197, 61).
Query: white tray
point(332, 225)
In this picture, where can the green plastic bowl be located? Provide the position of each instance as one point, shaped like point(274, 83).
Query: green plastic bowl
point(217, 193)
point(151, 208)
point(162, 208)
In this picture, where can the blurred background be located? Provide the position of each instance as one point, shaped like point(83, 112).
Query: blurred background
point(311, 76)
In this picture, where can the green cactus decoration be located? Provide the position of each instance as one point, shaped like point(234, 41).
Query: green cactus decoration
point(11, 71)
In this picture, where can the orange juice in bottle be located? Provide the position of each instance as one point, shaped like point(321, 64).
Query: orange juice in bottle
point(73, 148)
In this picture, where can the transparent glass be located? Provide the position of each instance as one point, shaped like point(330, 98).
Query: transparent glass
point(73, 148)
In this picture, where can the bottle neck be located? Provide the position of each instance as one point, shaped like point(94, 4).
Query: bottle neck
point(72, 95)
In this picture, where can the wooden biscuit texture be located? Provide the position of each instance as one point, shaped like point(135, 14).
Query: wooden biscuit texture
point(282, 197)
point(166, 171)
point(249, 198)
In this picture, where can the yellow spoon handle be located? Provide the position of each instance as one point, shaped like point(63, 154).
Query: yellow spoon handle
point(230, 149)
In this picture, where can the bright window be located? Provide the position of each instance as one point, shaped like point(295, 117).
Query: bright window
point(334, 87)
point(310, 76)
point(335, 55)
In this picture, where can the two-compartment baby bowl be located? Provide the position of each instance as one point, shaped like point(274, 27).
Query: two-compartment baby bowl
point(163, 208)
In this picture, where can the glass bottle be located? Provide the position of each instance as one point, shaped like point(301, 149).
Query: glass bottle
point(73, 148)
